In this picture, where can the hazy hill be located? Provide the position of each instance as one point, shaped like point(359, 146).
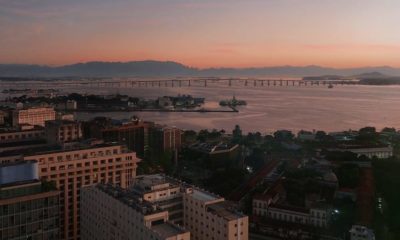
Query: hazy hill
point(169, 69)
point(371, 75)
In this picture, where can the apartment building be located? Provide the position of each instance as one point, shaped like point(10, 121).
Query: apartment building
point(33, 116)
point(109, 212)
point(3, 115)
point(205, 215)
point(164, 192)
point(24, 137)
point(62, 131)
point(133, 133)
point(29, 209)
point(208, 216)
point(83, 165)
point(162, 138)
point(23, 133)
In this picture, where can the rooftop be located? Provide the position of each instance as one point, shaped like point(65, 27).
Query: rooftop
point(223, 210)
point(129, 198)
point(60, 122)
point(358, 146)
point(23, 143)
point(213, 148)
point(149, 183)
point(167, 230)
point(78, 147)
point(290, 208)
point(15, 130)
point(203, 195)
point(14, 173)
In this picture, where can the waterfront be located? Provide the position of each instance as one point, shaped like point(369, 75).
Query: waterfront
point(271, 108)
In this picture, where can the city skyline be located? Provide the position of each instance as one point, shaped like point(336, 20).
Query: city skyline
point(204, 34)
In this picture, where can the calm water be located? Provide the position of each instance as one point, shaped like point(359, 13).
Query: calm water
point(271, 108)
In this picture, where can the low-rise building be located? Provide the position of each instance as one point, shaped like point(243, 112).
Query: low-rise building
point(29, 209)
point(272, 205)
point(379, 152)
point(314, 216)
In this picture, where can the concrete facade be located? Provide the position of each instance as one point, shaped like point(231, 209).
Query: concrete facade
point(61, 131)
point(33, 116)
point(74, 168)
point(109, 212)
point(29, 209)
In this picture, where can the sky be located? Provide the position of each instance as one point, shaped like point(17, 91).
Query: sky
point(202, 33)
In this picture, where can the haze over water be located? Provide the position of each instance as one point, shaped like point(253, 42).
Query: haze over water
point(272, 108)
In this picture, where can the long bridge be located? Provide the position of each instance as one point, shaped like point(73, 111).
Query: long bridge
point(201, 82)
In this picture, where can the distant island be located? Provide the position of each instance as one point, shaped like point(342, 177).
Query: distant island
point(97, 69)
point(369, 78)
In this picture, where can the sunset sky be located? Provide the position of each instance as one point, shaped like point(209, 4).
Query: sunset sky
point(202, 33)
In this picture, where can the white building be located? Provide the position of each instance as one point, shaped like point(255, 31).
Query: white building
point(205, 215)
point(109, 212)
point(358, 232)
point(370, 152)
point(159, 200)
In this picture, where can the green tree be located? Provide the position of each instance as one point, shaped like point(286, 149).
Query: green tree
point(237, 134)
point(348, 175)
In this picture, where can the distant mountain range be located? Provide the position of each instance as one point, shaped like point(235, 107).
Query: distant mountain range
point(174, 69)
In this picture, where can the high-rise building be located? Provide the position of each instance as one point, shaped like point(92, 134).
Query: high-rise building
point(165, 193)
point(33, 116)
point(62, 131)
point(163, 138)
point(29, 209)
point(2, 117)
point(110, 212)
point(159, 199)
point(74, 168)
point(208, 216)
point(133, 133)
